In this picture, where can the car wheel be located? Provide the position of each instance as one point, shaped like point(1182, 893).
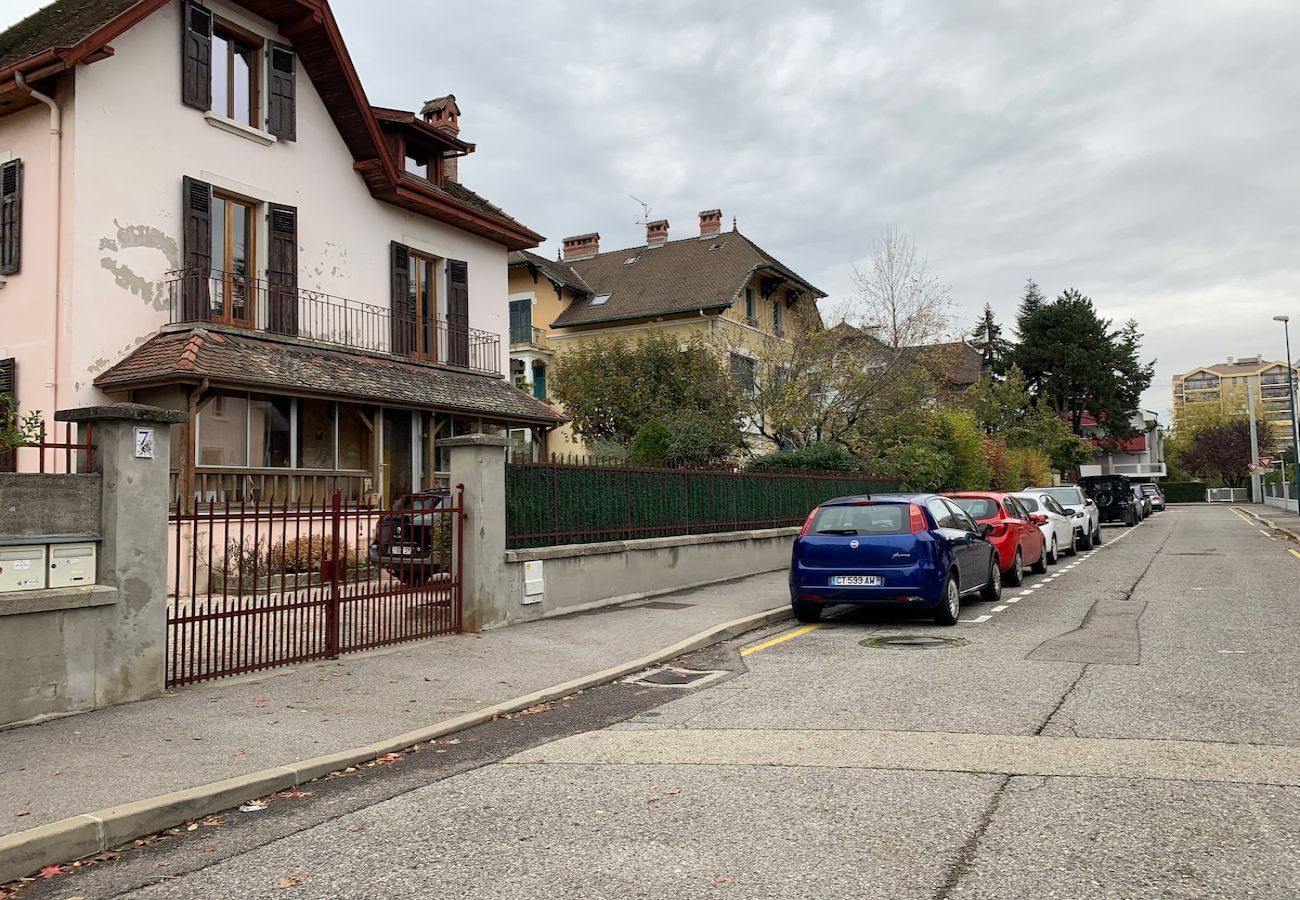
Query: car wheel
point(1015, 576)
point(992, 590)
point(1069, 550)
point(1051, 552)
point(1130, 519)
point(1085, 540)
point(950, 607)
point(1040, 565)
point(1096, 536)
point(807, 612)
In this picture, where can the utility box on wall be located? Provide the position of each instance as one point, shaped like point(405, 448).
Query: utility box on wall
point(72, 564)
point(22, 567)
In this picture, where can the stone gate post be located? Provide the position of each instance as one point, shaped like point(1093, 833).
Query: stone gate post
point(478, 461)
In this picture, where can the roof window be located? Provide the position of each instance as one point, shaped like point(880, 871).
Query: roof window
point(600, 299)
point(630, 260)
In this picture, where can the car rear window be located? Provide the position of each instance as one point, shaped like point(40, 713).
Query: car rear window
point(882, 518)
point(1064, 496)
point(977, 507)
point(1149, 489)
point(1029, 503)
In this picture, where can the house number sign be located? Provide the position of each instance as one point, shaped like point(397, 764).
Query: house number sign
point(144, 443)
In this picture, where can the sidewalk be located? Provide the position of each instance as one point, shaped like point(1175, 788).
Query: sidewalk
point(205, 733)
point(1282, 519)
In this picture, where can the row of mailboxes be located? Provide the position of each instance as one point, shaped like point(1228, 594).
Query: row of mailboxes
point(30, 567)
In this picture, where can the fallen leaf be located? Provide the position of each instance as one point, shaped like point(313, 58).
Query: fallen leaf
point(721, 879)
point(211, 821)
point(261, 701)
point(353, 828)
point(291, 881)
point(51, 871)
point(161, 865)
point(240, 752)
point(193, 826)
point(294, 794)
point(388, 758)
point(23, 812)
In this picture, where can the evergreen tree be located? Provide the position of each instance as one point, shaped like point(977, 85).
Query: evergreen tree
point(987, 339)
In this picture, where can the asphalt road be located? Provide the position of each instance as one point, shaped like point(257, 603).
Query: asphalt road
point(1125, 727)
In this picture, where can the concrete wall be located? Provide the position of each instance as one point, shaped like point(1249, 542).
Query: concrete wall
point(586, 576)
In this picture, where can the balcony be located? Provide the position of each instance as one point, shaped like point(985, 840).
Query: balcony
point(522, 336)
point(222, 298)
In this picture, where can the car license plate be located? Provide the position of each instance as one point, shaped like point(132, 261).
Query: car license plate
point(855, 580)
point(404, 551)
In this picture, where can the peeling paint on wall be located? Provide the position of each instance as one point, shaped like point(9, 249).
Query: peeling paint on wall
point(133, 237)
point(103, 363)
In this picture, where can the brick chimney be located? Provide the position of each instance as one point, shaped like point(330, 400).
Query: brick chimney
point(442, 112)
point(656, 233)
point(581, 246)
point(710, 223)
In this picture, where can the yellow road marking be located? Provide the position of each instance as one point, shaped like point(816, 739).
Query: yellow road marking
point(1295, 553)
point(779, 640)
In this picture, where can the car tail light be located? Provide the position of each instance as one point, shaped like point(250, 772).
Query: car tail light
point(999, 528)
point(1038, 518)
point(807, 523)
point(917, 522)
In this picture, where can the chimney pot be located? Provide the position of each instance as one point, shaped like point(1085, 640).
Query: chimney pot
point(710, 223)
point(656, 233)
point(581, 246)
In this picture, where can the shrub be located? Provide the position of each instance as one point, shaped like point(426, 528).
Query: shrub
point(243, 559)
point(814, 457)
point(1184, 491)
point(1028, 467)
point(301, 554)
point(650, 448)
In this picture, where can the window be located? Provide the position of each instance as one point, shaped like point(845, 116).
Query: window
point(521, 321)
point(421, 162)
point(236, 75)
point(960, 518)
point(356, 437)
point(270, 424)
point(539, 380)
point(233, 259)
point(223, 431)
point(518, 373)
point(979, 507)
point(315, 434)
point(422, 290)
point(751, 307)
point(11, 215)
point(742, 370)
point(943, 517)
point(777, 322)
point(600, 299)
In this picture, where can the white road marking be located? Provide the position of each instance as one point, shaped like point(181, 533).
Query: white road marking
point(1013, 599)
point(997, 609)
point(977, 620)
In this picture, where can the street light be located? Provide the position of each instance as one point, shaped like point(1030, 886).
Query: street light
point(1295, 426)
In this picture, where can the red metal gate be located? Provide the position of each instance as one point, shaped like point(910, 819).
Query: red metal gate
point(255, 586)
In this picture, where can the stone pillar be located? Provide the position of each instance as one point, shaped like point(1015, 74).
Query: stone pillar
point(132, 445)
point(478, 461)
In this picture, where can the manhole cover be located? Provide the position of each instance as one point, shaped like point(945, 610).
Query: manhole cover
point(671, 676)
point(912, 642)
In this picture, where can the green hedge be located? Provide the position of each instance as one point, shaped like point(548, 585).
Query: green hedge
point(1183, 491)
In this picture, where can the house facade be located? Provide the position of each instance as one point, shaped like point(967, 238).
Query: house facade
point(210, 216)
point(717, 284)
point(1141, 457)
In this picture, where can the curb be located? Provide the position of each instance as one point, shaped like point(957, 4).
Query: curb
point(1269, 522)
point(72, 838)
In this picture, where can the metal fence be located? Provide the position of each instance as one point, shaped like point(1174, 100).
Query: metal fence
point(49, 454)
point(553, 503)
point(254, 586)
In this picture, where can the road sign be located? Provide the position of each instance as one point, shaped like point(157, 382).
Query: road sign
point(1266, 462)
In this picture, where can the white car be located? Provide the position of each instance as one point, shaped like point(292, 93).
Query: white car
point(1079, 506)
point(1054, 522)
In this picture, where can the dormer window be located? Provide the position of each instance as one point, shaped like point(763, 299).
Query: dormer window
point(422, 162)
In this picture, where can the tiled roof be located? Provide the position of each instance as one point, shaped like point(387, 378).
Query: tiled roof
point(559, 273)
point(957, 363)
point(60, 24)
point(678, 276)
point(1240, 368)
point(459, 192)
point(255, 362)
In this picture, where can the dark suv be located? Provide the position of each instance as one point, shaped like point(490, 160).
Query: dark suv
point(1113, 495)
point(413, 540)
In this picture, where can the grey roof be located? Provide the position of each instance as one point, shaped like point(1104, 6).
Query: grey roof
point(558, 273)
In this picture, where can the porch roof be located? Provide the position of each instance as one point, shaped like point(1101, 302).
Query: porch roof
point(257, 362)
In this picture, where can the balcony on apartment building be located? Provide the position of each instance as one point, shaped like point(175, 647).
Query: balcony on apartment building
point(222, 298)
point(525, 336)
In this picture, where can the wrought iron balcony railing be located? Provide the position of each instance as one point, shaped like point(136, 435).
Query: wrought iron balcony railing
point(211, 296)
point(527, 336)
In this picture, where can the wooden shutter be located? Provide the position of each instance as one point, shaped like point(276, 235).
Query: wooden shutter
point(401, 316)
point(282, 269)
point(8, 410)
point(521, 321)
point(196, 55)
point(11, 216)
point(457, 312)
point(281, 106)
point(197, 251)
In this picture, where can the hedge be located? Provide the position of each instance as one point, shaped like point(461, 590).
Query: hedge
point(1183, 491)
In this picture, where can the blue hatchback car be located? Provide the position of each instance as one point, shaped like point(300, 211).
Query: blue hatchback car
point(916, 550)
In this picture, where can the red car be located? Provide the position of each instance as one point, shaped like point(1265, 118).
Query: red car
point(1016, 535)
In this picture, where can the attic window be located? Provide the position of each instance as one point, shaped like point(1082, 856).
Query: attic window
point(718, 246)
point(600, 299)
point(630, 260)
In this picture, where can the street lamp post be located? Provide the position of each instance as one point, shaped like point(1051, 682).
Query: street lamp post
point(1295, 426)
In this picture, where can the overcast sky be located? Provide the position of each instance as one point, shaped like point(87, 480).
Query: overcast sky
point(1147, 153)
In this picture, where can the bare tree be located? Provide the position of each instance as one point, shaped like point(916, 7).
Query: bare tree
point(897, 299)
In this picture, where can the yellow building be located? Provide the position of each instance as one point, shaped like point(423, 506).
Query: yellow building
point(1266, 379)
point(717, 284)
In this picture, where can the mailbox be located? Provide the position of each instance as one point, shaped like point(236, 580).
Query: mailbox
point(22, 568)
point(72, 564)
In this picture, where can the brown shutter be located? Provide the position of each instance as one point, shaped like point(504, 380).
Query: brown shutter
point(196, 56)
point(401, 316)
point(11, 216)
point(281, 107)
point(8, 409)
point(197, 215)
point(282, 269)
point(457, 312)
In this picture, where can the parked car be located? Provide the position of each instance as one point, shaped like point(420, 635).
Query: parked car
point(1087, 519)
point(1113, 495)
point(916, 550)
point(413, 540)
point(1053, 521)
point(1143, 501)
point(1017, 538)
point(1155, 495)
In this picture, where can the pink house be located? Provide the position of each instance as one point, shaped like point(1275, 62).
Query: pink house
point(200, 209)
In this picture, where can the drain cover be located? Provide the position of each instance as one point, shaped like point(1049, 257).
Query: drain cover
point(673, 677)
point(912, 642)
point(662, 604)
